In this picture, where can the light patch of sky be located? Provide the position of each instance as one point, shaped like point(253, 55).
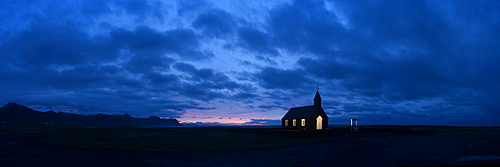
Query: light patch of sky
point(169, 20)
point(330, 6)
point(104, 23)
point(254, 12)
point(61, 68)
point(17, 20)
point(395, 50)
point(193, 115)
point(123, 58)
point(173, 20)
point(230, 112)
point(288, 60)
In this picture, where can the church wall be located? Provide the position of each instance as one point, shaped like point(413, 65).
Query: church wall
point(310, 123)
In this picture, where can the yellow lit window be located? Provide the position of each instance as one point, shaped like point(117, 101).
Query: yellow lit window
point(303, 122)
point(286, 122)
point(294, 122)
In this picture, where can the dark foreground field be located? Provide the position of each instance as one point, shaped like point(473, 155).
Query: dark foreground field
point(225, 146)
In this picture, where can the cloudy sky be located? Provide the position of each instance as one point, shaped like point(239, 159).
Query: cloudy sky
point(383, 62)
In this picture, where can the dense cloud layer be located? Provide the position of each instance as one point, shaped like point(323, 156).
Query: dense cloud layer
point(384, 62)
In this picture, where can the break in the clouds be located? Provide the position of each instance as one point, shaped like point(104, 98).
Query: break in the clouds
point(384, 62)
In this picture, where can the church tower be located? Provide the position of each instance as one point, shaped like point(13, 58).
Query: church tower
point(317, 100)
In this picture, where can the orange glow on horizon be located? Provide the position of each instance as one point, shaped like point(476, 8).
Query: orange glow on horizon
point(227, 114)
point(214, 120)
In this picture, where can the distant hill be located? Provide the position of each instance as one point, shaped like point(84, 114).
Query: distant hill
point(15, 114)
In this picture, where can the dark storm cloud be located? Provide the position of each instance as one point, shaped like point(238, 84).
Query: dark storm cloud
point(203, 75)
point(69, 50)
point(395, 50)
point(68, 45)
point(200, 74)
point(215, 23)
point(148, 62)
point(134, 8)
point(91, 88)
point(42, 46)
point(363, 69)
point(183, 42)
point(161, 80)
point(122, 71)
point(186, 6)
point(257, 41)
point(273, 78)
point(95, 8)
point(203, 83)
point(141, 9)
point(305, 26)
point(405, 79)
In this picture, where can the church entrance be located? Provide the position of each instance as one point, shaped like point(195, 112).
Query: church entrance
point(319, 123)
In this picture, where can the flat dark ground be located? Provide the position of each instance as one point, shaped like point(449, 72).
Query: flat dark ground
point(224, 146)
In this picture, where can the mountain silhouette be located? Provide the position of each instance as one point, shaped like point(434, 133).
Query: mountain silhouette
point(15, 114)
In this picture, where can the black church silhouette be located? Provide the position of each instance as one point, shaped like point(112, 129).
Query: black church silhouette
point(306, 117)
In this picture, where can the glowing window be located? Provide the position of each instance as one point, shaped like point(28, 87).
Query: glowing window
point(303, 122)
point(286, 122)
point(294, 122)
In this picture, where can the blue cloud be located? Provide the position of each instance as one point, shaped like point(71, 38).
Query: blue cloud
point(215, 23)
point(273, 78)
point(257, 41)
point(370, 57)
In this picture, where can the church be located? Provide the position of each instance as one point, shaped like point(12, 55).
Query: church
point(306, 117)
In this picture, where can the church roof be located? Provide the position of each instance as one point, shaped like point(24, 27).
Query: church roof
point(300, 112)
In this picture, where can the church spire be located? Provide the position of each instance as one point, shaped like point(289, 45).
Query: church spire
point(317, 99)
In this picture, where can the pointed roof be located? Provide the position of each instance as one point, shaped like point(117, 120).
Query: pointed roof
point(300, 112)
point(317, 96)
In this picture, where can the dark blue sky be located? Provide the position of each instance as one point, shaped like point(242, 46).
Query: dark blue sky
point(383, 62)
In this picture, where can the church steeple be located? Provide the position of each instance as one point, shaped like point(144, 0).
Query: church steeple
point(317, 99)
